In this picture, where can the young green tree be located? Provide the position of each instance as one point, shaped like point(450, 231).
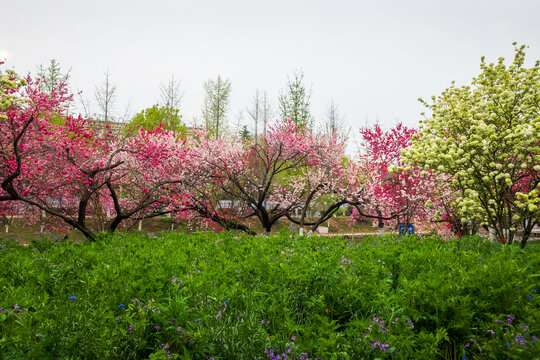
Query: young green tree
point(487, 138)
point(216, 105)
point(334, 123)
point(294, 101)
point(255, 111)
point(155, 116)
point(244, 133)
point(267, 112)
point(171, 97)
point(52, 78)
point(52, 75)
point(106, 97)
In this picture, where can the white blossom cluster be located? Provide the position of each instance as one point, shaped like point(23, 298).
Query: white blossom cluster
point(486, 137)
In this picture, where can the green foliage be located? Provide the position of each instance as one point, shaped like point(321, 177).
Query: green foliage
point(227, 297)
point(9, 81)
point(294, 101)
point(216, 105)
point(156, 116)
point(485, 137)
point(52, 75)
point(244, 133)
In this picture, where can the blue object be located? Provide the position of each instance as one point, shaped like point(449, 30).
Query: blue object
point(406, 229)
point(402, 229)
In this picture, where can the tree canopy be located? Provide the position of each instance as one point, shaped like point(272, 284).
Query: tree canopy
point(486, 136)
point(157, 116)
point(216, 105)
point(294, 101)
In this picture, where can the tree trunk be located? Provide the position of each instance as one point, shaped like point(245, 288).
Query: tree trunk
point(527, 230)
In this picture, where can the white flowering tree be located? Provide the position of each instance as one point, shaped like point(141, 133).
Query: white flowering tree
point(486, 136)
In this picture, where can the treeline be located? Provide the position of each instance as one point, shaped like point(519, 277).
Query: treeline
point(474, 162)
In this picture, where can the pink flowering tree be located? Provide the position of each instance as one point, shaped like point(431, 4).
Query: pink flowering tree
point(75, 176)
point(25, 109)
point(318, 191)
point(398, 193)
point(94, 183)
point(249, 177)
point(209, 197)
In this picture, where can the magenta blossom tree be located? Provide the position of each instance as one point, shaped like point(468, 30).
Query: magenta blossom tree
point(75, 176)
point(94, 183)
point(397, 192)
point(25, 110)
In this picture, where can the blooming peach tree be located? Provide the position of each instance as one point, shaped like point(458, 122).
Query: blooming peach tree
point(486, 138)
point(24, 112)
point(318, 191)
point(83, 180)
point(396, 192)
point(94, 183)
point(232, 180)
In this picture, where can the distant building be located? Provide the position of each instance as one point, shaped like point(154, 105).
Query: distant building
point(117, 127)
point(102, 126)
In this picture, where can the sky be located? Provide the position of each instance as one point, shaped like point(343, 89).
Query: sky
point(373, 59)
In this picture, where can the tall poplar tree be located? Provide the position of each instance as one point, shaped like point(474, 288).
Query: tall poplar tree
point(216, 105)
point(294, 101)
point(106, 97)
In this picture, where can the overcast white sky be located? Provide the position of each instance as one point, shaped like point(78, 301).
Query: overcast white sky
point(373, 58)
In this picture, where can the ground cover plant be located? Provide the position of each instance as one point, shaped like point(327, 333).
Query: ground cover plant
point(218, 296)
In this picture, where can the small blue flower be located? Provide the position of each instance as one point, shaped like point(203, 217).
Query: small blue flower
point(464, 357)
point(197, 320)
point(529, 297)
point(72, 297)
point(121, 305)
point(155, 237)
point(534, 291)
point(226, 301)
